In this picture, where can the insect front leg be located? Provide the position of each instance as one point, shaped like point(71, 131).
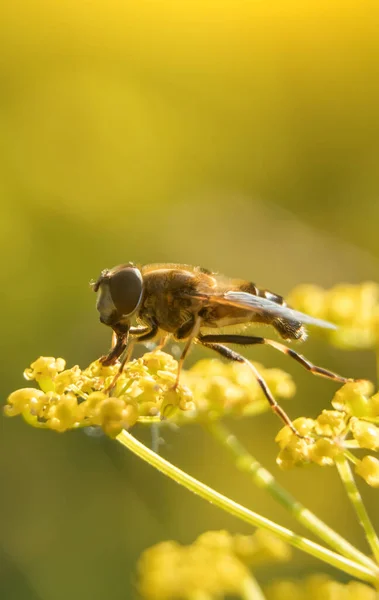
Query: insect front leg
point(231, 355)
point(142, 333)
point(119, 343)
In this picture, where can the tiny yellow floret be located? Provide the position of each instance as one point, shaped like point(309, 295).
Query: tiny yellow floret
point(368, 468)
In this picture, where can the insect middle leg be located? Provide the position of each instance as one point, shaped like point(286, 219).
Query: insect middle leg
point(245, 340)
point(231, 355)
point(189, 330)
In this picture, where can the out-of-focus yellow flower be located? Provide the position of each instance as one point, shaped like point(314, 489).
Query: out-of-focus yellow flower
point(74, 398)
point(353, 308)
point(319, 587)
point(262, 547)
point(222, 389)
point(213, 566)
point(169, 571)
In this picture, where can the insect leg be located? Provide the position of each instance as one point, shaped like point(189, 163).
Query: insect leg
point(139, 334)
point(145, 332)
point(189, 330)
point(250, 340)
point(126, 359)
point(118, 345)
point(231, 355)
point(162, 342)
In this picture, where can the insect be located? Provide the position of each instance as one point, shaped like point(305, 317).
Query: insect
point(186, 303)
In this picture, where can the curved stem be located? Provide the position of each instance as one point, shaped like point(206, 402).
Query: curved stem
point(251, 589)
point(264, 479)
point(348, 480)
point(340, 562)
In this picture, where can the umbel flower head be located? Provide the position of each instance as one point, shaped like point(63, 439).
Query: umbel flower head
point(353, 424)
point(219, 565)
point(72, 398)
point(353, 308)
point(319, 587)
point(215, 565)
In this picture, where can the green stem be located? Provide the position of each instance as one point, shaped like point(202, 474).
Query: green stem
point(350, 456)
point(340, 562)
point(263, 479)
point(251, 590)
point(355, 497)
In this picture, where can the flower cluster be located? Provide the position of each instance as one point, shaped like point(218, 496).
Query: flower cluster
point(353, 308)
point(319, 587)
point(214, 566)
point(219, 564)
point(351, 425)
point(222, 389)
point(72, 398)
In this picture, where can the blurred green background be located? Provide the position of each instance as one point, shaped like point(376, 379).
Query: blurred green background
point(241, 136)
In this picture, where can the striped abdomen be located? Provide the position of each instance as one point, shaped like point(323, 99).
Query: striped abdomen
point(287, 329)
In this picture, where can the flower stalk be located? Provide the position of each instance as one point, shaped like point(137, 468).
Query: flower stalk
point(355, 497)
point(265, 480)
point(340, 562)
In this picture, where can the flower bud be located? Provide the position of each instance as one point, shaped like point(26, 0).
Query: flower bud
point(368, 468)
point(366, 434)
point(21, 400)
point(354, 398)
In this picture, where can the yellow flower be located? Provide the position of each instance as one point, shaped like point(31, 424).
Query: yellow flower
point(353, 308)
point(169, 571)
point(319, 587)
point(368, 468)
point(330, 423)
point(366, 434)
point(324, 451)
point(214, 565)
point(43, 370)
point(354, 398)
point(23, 399)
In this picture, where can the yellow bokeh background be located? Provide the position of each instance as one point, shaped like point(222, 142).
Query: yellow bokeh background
point(242, 136)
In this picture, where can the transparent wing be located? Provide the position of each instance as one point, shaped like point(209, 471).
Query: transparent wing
point(262, 305)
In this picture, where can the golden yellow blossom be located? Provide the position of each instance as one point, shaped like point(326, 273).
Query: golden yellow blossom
point(353, 308)
point(214, 565)
point(319, 587)
point(368, 468)
point(72, 398)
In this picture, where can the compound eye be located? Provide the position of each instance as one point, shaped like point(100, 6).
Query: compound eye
point(125, 287)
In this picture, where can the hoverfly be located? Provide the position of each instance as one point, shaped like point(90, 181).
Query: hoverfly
point(184, 302)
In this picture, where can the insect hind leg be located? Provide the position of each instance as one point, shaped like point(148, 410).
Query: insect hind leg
point(231, 355)
point(245, 340)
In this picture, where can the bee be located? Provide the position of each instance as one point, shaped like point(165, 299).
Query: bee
point(188, 303)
